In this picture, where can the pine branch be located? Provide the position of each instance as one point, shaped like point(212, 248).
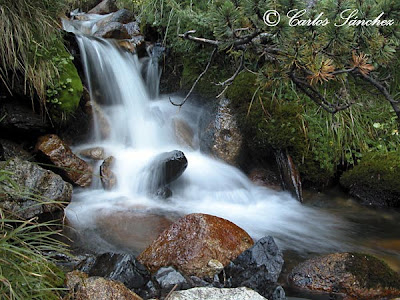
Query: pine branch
point(197, 80)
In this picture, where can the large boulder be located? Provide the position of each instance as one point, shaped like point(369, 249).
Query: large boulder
point(25, 182)
point(216, 294)
point(258, 268)
point(355, 275)
point(164, 169)
point(107, 176)
point(104, 7)
point(112, 30)
point(74, 169)
point(121, 267)
point(221, 135)
point(193, 241)
point(82, 287)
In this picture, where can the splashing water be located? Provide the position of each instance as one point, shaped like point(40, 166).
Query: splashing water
point(140, 129)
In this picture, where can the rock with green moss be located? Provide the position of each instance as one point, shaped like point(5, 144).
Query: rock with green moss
point(352, 275)
point(376, 179)
point(64, 93)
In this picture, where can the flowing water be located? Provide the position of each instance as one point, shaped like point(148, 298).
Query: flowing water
point(141, 127)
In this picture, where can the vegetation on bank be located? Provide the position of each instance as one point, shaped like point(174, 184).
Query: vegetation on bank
point(33, 60)
point(307, 88)
point(27, 270)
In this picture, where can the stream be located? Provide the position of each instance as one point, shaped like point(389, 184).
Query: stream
point(142, 125)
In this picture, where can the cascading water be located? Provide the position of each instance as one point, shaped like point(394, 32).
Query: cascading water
point(140, 129)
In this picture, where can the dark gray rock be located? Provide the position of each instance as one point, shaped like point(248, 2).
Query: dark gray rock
point(20, 118)
point(164, 169)
point(164, 193)
point(9, 150)
point(104, 7)
point(121, 267)
point(32, 182)
point(113, 30)
point(123, 16)
point(257, 268)
point(168, 277)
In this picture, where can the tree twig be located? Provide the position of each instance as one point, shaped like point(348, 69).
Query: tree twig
point(197, 80)
point(238, 70)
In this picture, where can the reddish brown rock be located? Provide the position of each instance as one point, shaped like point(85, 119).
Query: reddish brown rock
point(108, 178)
point(354, 275)
point(73, 169)
point(266, 178)
point(194, 240)
point(83, 287)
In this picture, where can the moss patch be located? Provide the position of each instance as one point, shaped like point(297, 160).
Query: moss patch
point(376, 175)
point(371, 272)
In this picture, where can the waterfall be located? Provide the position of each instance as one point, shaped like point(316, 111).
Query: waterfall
point(141, 127)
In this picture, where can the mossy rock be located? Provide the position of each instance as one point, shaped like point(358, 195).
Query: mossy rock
point(355, 275)
point(376, 179)
point(65, 92)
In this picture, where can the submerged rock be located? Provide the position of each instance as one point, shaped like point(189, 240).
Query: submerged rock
point(191, 242)
point(104, 7)
point(71, 166)
point(121, 267)
point(82, 287)
point(96, 153)
point(265, 177)
point(26, 180)
point(258, 268)
point(216, 294)
point(290, 176)
point(108, 178)
point(355, 275)
point(183, 132)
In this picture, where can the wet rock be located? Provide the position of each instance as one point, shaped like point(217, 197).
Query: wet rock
point(9, 150)
point(127, 45)
point(102, 121)
point(165, 168)
point(191, 242)
point(290, 176)
point(32, 181)
point(121, 267)
point(168, 277)
point(132, 28)
point(221, 135)
point(183, 132)
point(265, 177)
point(96, 153)
point(216, 294)
point(133, 230)
point(113, 30)
point(123, 16)
point(82, 287)
point(355, 275)
point(257, 268)
point(108, 178)
point(16, 117)
point(74, 169)
point(164, 193)
point(104, 7)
